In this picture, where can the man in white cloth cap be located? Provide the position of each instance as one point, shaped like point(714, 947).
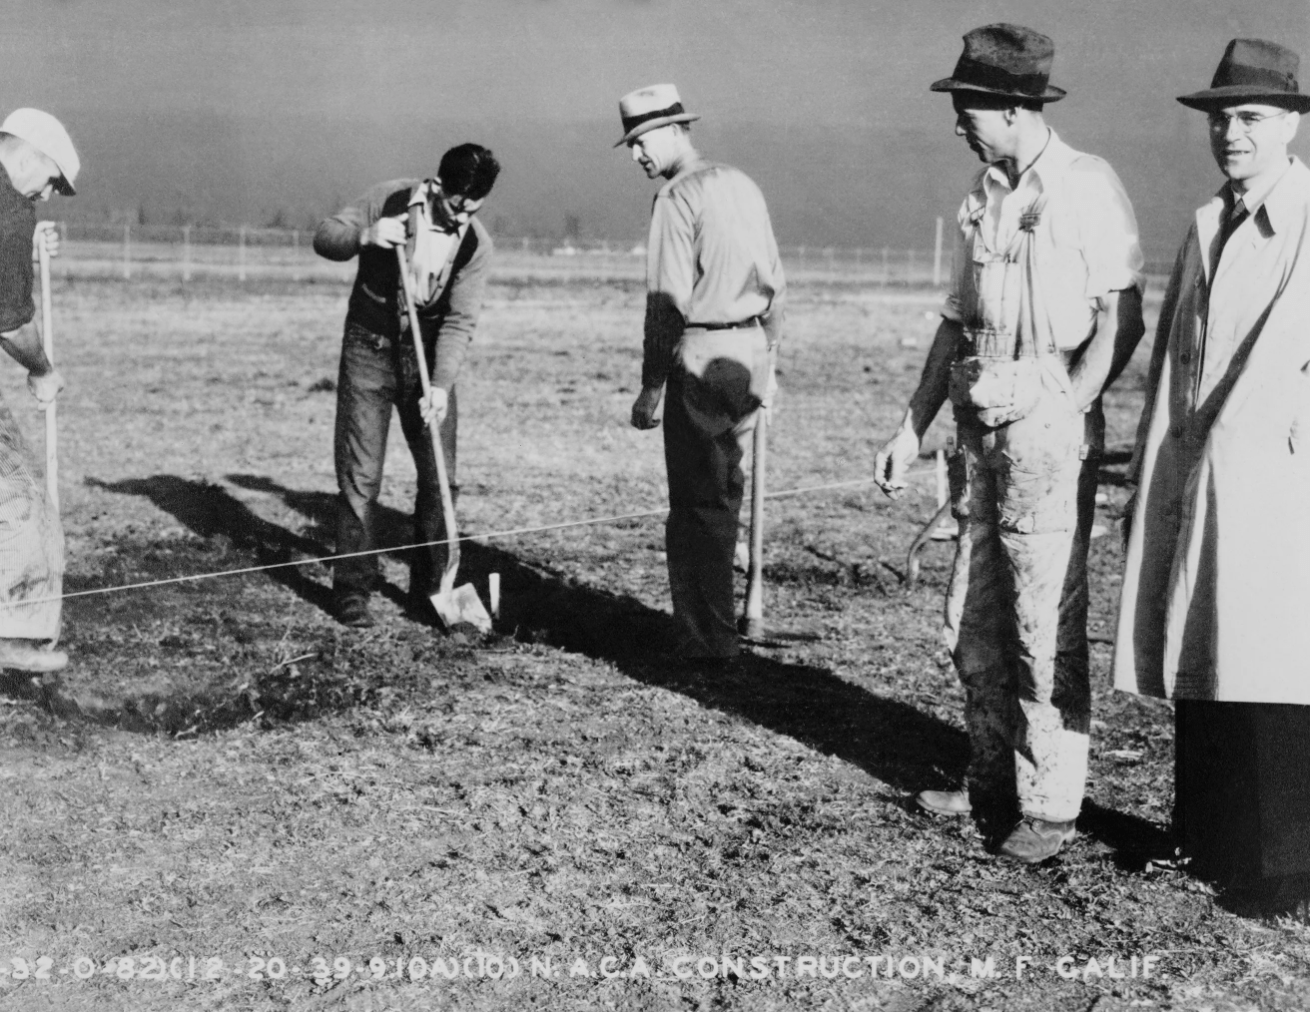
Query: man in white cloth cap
point(38, 159)
point(1044, 309)
point(714, 310)
point(1215, 606)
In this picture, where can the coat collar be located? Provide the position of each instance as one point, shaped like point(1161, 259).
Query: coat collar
point(1270, 210)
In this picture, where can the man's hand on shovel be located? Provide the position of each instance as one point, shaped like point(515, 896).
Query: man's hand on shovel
point(432, 406)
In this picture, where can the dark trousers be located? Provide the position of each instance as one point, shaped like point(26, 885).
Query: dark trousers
point(1242, 789)
point(708, 415)
point(376, 374)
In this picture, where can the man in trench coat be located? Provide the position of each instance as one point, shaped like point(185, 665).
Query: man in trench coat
point(1215, 606)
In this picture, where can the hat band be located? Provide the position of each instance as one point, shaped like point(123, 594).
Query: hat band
point(1236, 74)
point(630, 123)
point(994, 78)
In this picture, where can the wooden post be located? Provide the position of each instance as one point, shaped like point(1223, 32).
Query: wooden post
point(241, 253)
point(886, 266)
point(909, 266)
point(127, 252)
point(186, 253)
point(937, 256)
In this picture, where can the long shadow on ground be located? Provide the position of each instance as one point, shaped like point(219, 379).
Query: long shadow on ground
point(890, 740)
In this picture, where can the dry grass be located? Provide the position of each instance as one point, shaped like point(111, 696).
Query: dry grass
point(250, 780)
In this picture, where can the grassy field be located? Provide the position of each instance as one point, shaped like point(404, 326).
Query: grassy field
point(258, 809)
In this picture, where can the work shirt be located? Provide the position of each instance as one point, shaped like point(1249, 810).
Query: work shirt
point(1086, 244)
point(450, 313)
point(711, 259)
point(17, 225)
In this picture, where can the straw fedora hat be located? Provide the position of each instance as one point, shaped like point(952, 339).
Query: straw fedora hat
point(649, 108)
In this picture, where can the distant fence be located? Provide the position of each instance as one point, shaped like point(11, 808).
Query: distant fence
point(241, 253)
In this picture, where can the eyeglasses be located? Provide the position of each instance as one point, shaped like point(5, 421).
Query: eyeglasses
point(1246, 121)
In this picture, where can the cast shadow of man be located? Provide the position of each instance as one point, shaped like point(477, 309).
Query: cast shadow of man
point(892, 741)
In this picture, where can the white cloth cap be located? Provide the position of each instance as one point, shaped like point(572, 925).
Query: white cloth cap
point(47, 135)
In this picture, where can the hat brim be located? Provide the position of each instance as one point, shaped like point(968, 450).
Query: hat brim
point(655, 124)
point(1239, 94)
point(64, 188)
point(1051, 94)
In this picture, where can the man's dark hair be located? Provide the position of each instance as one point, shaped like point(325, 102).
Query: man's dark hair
point(468, 170)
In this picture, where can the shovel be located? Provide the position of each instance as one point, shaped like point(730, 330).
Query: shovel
point(454, 605)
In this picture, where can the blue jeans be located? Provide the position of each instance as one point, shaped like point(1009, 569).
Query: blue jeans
point(377, 373)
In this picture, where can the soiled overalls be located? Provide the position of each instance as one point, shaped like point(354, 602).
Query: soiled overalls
point(1015, 483)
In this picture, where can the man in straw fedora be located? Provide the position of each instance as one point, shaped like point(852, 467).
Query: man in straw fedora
point(714, 310)
point(449, 252)
point(39, 159)
point(1044, 308)
point(1216, 596)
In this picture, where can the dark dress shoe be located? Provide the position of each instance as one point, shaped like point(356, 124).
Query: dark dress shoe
point(1035, 840)
point(353, 611)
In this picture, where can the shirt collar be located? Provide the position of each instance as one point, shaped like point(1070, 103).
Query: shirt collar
point(422, 196)
point(1273, 196)
point(1054, 158)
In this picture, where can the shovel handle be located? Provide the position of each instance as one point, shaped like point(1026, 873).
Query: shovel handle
point(752, 623)
point(447, 502)
point(48, 343)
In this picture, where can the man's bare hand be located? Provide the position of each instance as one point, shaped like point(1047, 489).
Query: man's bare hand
point(47, 236)
point(45, 388)
point(432, 406)
point(644, 408)
point(387, 233)
point(893, 462)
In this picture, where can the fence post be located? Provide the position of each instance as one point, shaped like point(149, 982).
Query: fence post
point(937, 256)
point(241, 253)
point(859, 257)
point(127, 251)
point(800, 255)
point(186, 253)
point(909, 267)
point(831, 253)
point(886, 267)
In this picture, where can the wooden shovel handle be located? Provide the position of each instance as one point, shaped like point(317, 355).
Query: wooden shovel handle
point(48, 342)
point(447, 502)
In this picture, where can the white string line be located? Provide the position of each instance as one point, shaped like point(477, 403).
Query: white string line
point(194, 577)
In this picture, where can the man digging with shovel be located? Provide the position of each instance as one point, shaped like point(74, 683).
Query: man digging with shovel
point(448, 252)
point(38, 158)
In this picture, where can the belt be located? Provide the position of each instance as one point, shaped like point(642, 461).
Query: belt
point(754, 321)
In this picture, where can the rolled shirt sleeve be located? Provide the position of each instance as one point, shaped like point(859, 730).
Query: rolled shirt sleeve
point(1110, 240)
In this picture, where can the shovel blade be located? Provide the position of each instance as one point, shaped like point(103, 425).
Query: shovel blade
point(461, 605)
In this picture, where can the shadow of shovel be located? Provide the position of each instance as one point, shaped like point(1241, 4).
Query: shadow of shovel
point(454, 605)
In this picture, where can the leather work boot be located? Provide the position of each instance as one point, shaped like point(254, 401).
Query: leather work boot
point(944, 802)
point(1035, 840)
point(352, 610)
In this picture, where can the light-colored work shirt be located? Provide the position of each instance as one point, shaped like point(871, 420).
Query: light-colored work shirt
point(1086, 244)
point(711, 259)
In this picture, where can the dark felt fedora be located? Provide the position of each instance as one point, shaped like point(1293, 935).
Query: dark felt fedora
point(1007, 60)
point(1253, 70)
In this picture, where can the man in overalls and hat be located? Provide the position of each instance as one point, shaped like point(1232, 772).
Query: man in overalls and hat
point(1216, 595)
point(1044, 309)
point(448, 253)
point(714, 309)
